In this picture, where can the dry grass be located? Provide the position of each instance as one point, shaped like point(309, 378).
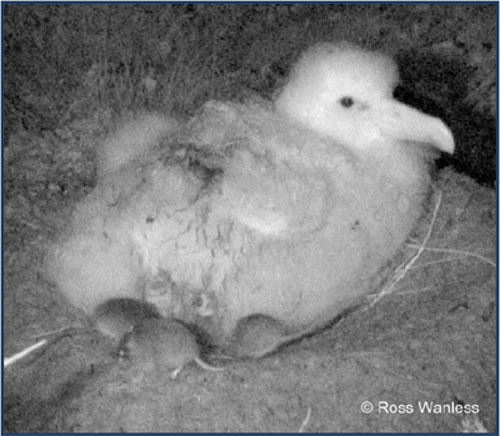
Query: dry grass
point(410, 264)
point(401, 271)
point(306, 421)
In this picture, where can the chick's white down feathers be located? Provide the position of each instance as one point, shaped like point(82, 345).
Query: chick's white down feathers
point(287, 208)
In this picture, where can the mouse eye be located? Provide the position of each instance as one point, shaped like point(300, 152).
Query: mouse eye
point(346, 102)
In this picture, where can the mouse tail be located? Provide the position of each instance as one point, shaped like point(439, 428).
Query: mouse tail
point(206, 366)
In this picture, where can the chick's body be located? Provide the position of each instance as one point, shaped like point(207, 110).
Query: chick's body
point(288, 209)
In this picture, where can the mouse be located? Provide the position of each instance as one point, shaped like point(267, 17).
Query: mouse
point(114, 318)
point(258, 335)
point(165, 343)
point(117, 316)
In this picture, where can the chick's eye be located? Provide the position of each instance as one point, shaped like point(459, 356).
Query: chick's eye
point(346, 101)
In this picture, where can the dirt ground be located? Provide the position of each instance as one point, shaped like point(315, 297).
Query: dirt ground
point(423, 355)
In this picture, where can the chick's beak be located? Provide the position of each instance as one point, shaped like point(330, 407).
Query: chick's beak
point(405, 123)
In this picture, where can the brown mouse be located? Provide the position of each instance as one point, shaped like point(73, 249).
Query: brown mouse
point(164, 343)
point(258, 335)
point(114, 318)
point(117, 316)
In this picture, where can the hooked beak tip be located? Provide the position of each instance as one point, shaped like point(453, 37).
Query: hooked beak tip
point(408, 123)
